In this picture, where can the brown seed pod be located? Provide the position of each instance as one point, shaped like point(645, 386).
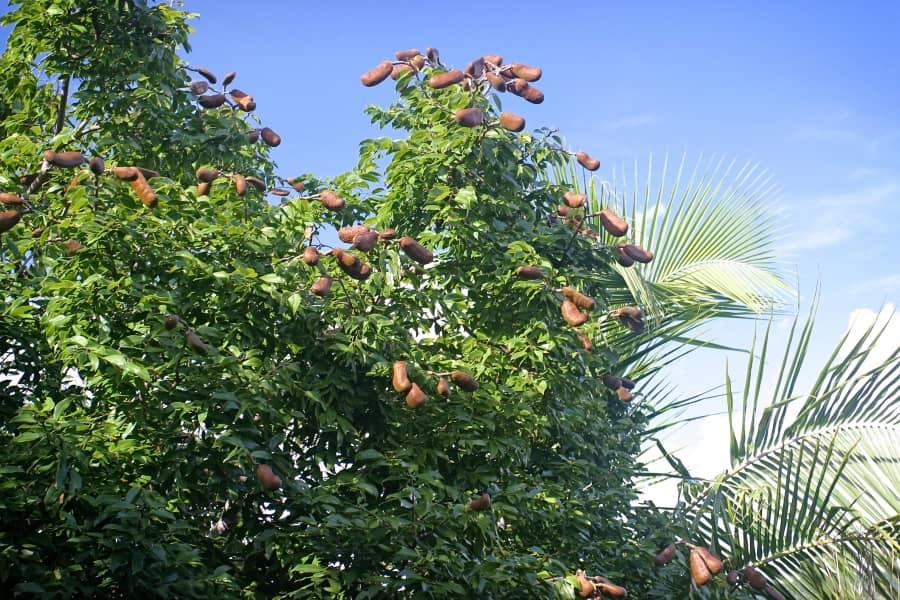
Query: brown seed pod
point(584, 159)
point(258, 184)
point(415, 250)
point(171, 322)
point(574, 200)
point(624, 394)
point(8, 198)
point(527, 272)
point(586, 342)
point(572, 315)
point(246, 103)
point(464, 380)
point(713, 562)
point(562, 210)
point(399, 70)
point(8, 219)
point(415, 397)
point(580, 300)
point(734, 577)
point(517, 87)
point(279, 191)
point(475, 68)
point(267, 477)
point(212, 100)
point(196, 342)
point(97, 166)
point(533, 95)
point(612, 590)
point(365, 241)
point(493, 59)
point(207, 74)
point(377, 74)
point(346, 234)
point(434, 57)
point(637, 252)
point(469, 117)
point(512, 121)
point(203, 189)
point(439, 82)
point(363, 272)
point(611, 381)
point(296, 183)
point(126, 173)
point(479, 503)
point(699, 573)
point(665, 555)
point(143, 190)
point(207, 175)
point(253, 136)
point(387, 234)
point(229, 77)
point(240, 184)
point(269, 136)
point(497, 82)
point(331, 200)
point(418, 62)
point(627, 383)
point(72, 246)
point(586, 587)
point(400, 377)
point(526, 72)
point(238, 94)
point(322, 286)
point(310, 255)
point(148, 173)
point(67, 160)
point(622, 258)
point(406, 54)
point(613, 223)
point(443, 387)
point(199, 87)
point(755, 578)
point(771, 593)
point(351, 265)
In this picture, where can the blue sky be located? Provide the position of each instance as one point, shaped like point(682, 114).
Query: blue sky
point(809, 90)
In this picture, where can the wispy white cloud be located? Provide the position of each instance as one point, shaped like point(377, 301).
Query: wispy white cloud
point(848, 137)
point(629, 122)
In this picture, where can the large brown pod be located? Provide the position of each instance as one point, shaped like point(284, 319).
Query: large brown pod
point(771, 593)
point(258, 184)
point(207, 175)
point(196, 342)
point(143, 190)
point(310, 255)
point(497, 82)
point(8, 198)
point(280, 191)
point(377, 74)
point(97, 166)
point(8, 219)
point(572, 315)
point(229, 77)
point(439, 82)
point(267, 477)
point(665, 555)
point(476, 68)
point(627, 383)
point(415, 397)
point(574, 200)
point(528, 272)
point(586, 342)
point(624, 394)
point(207, 74)
point(331, 200)
point(622, 258)
point(434, 57)
point(637, 252)
point(253, 136)
point(171, 322)
point(406, 54)
point(611, 381)
point(464, 380)
point(199, 87)
point(203, 188)
point(72, 246)
point(469, 117)
point(388, 233)
point(399, 70)
point(517, 87)
point(734, 577)
point(443, 387)
point(240, 184)
point(512, 121)
point(269, 136)
point(148, 173)
point(586, 587)
point(366, 240)
point(351, 265)
point(756, 579)
point(479, 503)
point(562, 210)
point(580, 300)
point(493, 59)
point(246, 103)
point(699, 572)
point(713, 562)
point(612, 590)
point(67, 160)
point(584, 159)
point(346, 234)
point(613, 224)
point(296, 183)
point(400, 377)
point(322, 286)
point(212, 100)
point(238, 94)
point(526, 72)
point(418, 62)
point(533, 95)
point(415, 250)
point(126, 173)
